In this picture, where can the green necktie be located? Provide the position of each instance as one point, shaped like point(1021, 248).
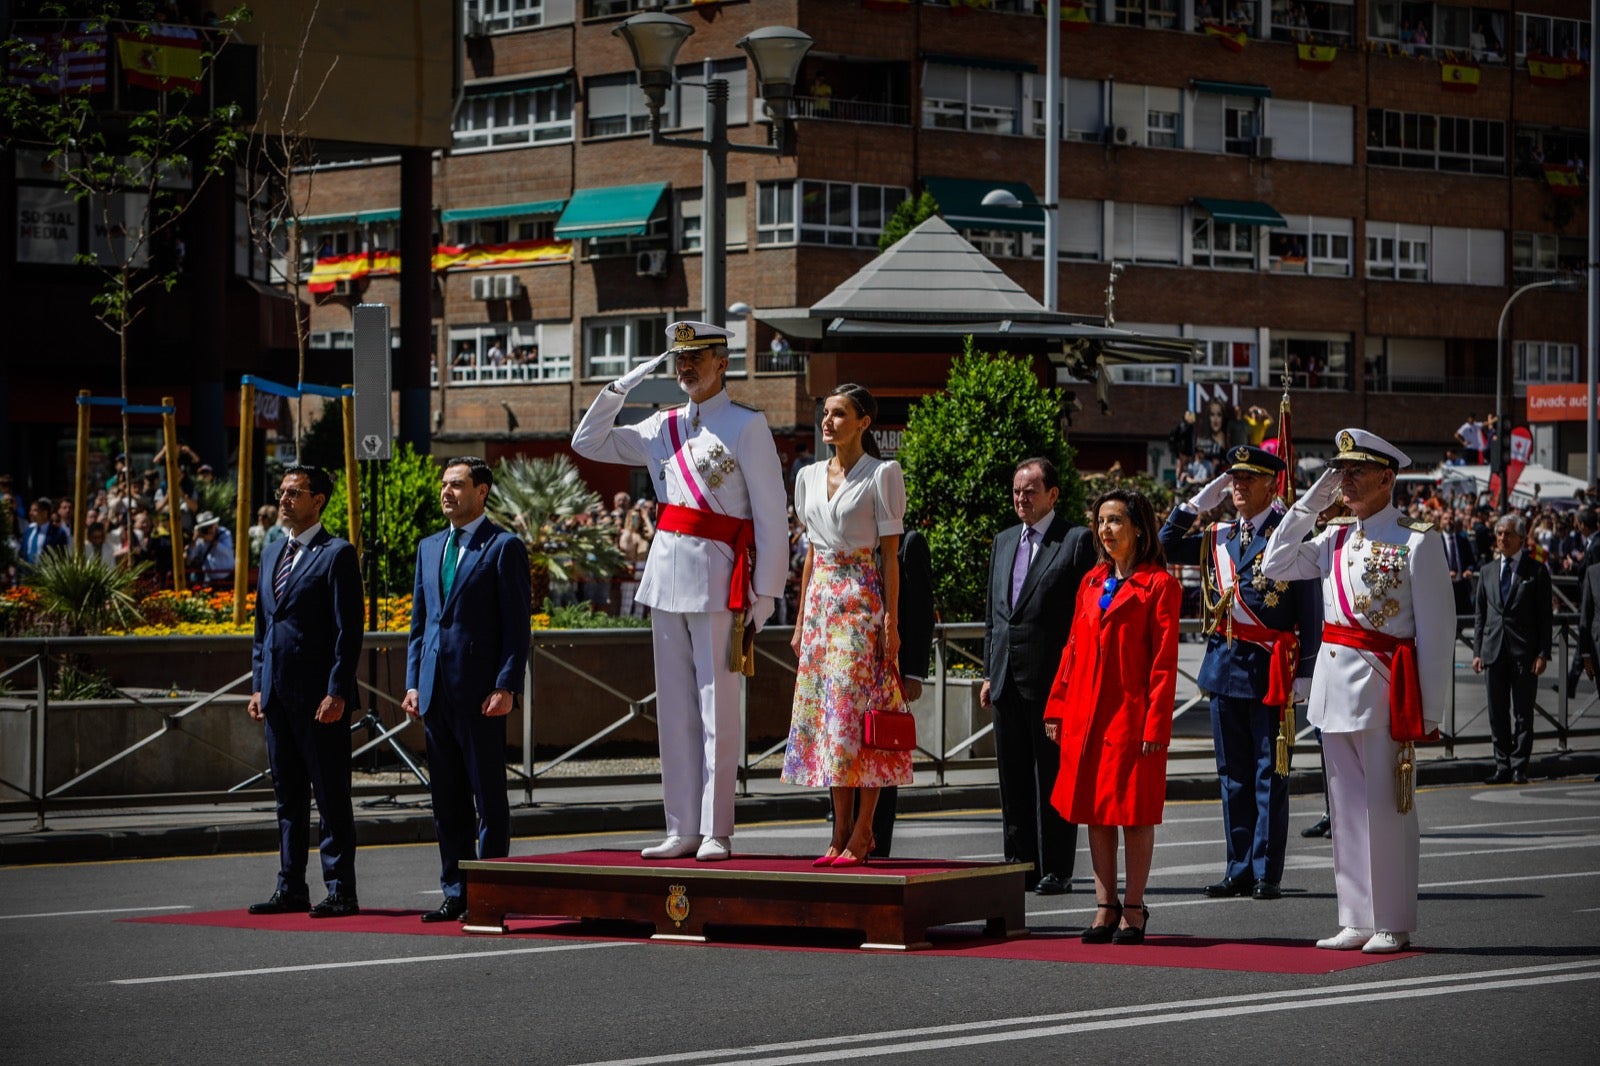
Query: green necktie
point(447, 574)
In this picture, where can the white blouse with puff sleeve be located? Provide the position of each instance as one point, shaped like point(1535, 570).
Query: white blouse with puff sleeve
point(871, 503)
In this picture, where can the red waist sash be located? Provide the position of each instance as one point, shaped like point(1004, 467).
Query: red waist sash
point(738, 533)
point(1284, 648)
point(1405, 688)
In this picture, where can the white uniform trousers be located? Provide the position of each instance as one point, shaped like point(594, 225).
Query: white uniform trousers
point(1375, 848)
point(697, 715)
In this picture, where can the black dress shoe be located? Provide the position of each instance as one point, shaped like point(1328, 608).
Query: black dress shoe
point(1499, 777)
point(1231, 886)
point(336, 906)
point(1267, 890)
point(283, 902)
point(1051, 885)
point(453, 909)
point(1518, 777)
point(1321, 829)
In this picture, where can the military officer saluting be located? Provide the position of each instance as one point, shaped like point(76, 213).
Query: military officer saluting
point(716, 566)
point(1262, 640)
point(1382, 678)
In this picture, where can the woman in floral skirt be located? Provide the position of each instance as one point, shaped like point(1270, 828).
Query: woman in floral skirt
point(848, 640)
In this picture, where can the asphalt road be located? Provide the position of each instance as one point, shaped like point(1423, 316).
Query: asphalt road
point(1510, 970)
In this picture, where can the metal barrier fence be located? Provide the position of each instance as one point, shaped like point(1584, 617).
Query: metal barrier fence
point(957, 656)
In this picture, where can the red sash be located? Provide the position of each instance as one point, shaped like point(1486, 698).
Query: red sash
point(738, 533)
point(1405, 688)
point(1284, 647)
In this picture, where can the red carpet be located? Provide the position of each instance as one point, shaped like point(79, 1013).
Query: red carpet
point(770, 864)
point(1251, 956)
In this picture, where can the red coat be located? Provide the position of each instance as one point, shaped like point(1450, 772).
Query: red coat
point(1113, 692)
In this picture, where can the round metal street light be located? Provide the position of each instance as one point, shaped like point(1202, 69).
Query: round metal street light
point(777, 52)
point(654, 40)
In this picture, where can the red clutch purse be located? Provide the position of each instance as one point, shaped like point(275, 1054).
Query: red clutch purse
point(891, 730)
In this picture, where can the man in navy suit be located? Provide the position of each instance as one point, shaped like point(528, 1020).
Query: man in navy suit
point(467, 653)
point(1511, 641)
point(303, 667)
point(1261, 650)
point(1034, 572)
point(42, 532)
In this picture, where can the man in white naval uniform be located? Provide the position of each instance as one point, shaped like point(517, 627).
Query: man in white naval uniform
point(1382, 677)
point(717, 473)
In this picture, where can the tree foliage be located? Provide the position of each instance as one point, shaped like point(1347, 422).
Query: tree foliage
point(539, 499)
point(907, 217)
point(408, 510)
point(959, 450)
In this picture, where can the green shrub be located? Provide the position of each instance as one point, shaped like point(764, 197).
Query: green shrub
point(408, 510)
point(82, 596)
point(582, 615)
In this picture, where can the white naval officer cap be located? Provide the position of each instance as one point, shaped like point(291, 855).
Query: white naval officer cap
point(1360, 446)
point(688, 336)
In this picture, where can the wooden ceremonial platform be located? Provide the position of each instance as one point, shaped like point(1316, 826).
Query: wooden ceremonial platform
point(891, 903)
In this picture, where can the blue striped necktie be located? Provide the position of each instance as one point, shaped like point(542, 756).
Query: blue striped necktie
point(280, 580)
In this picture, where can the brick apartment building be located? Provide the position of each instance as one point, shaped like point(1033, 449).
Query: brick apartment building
point(1347, 212)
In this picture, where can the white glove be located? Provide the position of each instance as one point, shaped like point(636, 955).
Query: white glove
point(761, 608)
point(629, 381)
point(1212, 495)
point(1302, 689)
point(1322, 493)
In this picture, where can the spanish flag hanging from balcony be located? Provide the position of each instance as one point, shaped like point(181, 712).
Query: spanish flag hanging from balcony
point(1074, 17)
point(515, 253)
point(1563, 180)
point(161, 61)
point(1459, 77)
point(1230, 36)
point(1315, 56)
point(336, 268)
point(1547, 70)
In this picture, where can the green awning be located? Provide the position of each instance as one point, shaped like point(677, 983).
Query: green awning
point(981, 63)
point(472, 214)
point(366, 218)
point(1229, 88)
point(326, 220)
point(961, 204)
point(614, 211)
point(1241, 212)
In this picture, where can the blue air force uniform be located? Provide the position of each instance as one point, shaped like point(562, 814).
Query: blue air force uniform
point(1236, 674)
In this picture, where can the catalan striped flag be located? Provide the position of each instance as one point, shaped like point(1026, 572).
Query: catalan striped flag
point(1459, 77)
point(161, 61)
point(1315, 56)
point(1230, 36)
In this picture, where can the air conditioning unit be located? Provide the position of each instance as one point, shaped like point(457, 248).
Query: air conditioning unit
point(505, 286)
point(482, 289)
point(651, 264)
point(1118, 135)
point(1262, 148)
point(345, 288)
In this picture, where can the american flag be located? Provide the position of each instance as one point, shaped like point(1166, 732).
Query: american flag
point(59, 62)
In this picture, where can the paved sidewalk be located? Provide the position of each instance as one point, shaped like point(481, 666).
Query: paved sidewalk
point(82, 832)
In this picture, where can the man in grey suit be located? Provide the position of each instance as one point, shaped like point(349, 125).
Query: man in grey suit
point(1034, 572)
point(1511, 641)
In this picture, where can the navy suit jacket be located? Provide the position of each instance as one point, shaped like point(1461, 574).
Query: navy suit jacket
point(1022, 643)
point(1240, 670)
point(475, 640)
point(307, 644)
point(54, 537)
point(914, 612)
point(1518, 625)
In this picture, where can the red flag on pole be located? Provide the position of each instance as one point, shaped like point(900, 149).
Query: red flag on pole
point(1285, 447)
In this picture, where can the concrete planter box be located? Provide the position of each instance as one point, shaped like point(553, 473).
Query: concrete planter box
point(964, 715)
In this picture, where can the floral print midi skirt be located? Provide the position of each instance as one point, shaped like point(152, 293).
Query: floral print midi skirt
point(842, 675)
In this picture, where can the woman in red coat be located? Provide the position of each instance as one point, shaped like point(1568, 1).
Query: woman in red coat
point(1110, 708)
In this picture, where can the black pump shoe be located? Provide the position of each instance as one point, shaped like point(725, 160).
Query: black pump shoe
point(1133, 934)
point(1102, 934)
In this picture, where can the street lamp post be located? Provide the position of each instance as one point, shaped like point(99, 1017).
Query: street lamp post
point(1499, 452)
point(776, 51)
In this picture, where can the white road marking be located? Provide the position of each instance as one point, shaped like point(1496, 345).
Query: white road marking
point(1522, 821)
point(1506, 880)
point(946, 1037)
point(356, 963)
point(108, 910)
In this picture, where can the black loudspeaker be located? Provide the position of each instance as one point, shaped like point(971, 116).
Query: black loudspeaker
point(373, 387)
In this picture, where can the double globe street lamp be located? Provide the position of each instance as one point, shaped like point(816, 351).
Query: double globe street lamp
point(777, 52)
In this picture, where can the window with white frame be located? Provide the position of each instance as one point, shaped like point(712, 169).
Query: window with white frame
point(1541, 256)
point(1546, 35)
point(1146, 233)
point(969, 98)
point(1083, 108)
point(319, 242)
point(1224, 355)
point(686, 100)
point(1151, 14)
point(613, 346)
point(1468, 256)
point(1081, 229)
point(829, 212)
point(1148, 373)
point(775, 213)
point(1310, 245)
point(613, 106)
point(480, 231)
point(1222, 245)
point(1315, 133)
point(1432, 142)
point(537, 113)
point(1312, 360)
point(691, 220)
point(1547, 362)
point(490, 16)
point(1150, 113)
point(1225, 123)
point(494, 353)
point(657, 236)
point(1325, 22)
point(1397, 251)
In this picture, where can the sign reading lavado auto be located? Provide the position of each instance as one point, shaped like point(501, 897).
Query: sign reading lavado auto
point(1567, 402)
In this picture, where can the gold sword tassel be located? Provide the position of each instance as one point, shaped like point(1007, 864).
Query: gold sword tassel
point(1405, 778)
point(1285, 742)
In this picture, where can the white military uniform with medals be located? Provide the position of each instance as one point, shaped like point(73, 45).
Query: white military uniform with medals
point(1386, 574)
point(731, 464)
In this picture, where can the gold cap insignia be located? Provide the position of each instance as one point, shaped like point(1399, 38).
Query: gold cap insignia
point(1240, 454)
point(684, 333)
point(1347, 442)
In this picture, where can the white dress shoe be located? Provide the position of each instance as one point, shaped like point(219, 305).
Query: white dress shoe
point(674, 847)
point(715, 849)
point(1386, 943)
point(1347, 939)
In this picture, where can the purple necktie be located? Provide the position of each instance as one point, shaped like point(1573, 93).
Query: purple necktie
point(1019, 566)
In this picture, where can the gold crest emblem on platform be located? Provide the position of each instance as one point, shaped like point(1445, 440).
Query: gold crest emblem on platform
point(677, 904)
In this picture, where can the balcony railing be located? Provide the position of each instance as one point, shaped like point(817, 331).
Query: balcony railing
point(785, 362)
point(1415, 383)
point(838, 110)
point(510, 374)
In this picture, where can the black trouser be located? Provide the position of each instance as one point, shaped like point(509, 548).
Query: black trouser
point(1028, 763)
point(1512, 689)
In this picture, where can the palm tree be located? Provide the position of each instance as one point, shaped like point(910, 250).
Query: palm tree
point(546, 502)
point(84, 596)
